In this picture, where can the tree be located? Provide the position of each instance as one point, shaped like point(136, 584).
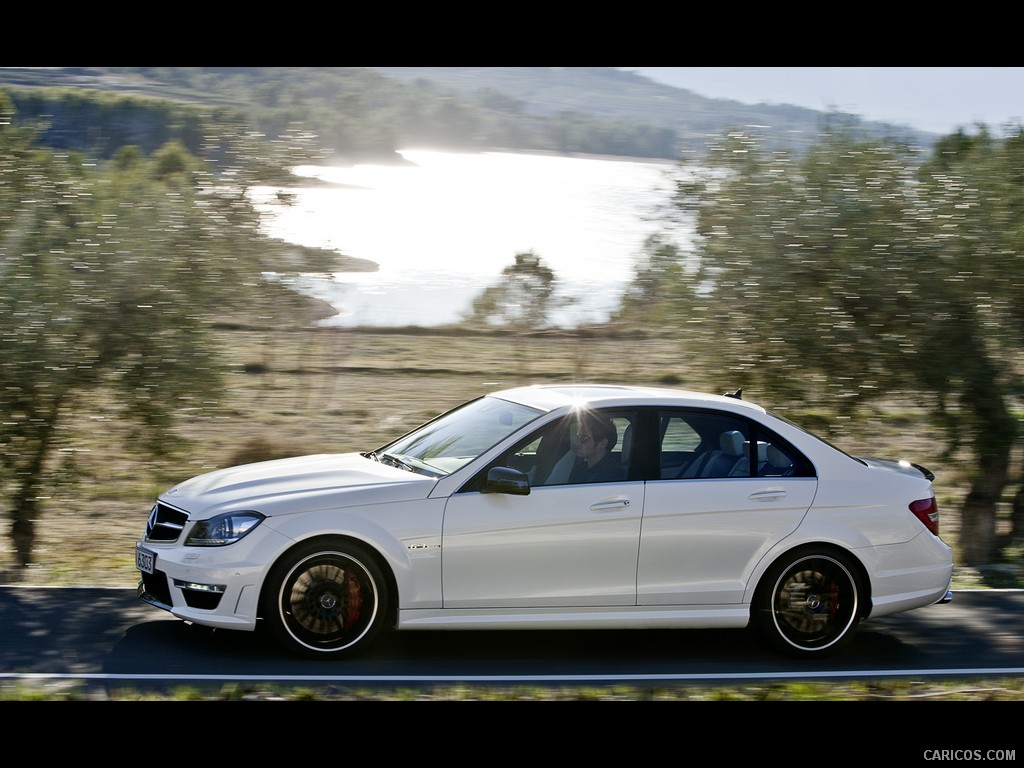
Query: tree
point(857, 270)
point(523, 300)
point(977, 185)
point(108, 279)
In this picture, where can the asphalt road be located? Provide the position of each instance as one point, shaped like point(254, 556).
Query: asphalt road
point(102, 637)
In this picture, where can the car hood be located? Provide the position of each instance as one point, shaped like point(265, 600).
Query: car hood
point(285, 486)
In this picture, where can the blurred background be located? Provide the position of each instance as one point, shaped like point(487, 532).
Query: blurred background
point(205, 266)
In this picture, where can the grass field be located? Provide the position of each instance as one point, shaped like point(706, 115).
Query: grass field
point(297, 388)
point(296, 391)
point(294, 388)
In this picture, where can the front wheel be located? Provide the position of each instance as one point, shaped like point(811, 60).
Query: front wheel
point(808, 603)
point(325, 598)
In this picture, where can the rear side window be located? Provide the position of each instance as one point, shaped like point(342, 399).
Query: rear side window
point(701, 444)
point(777, 458)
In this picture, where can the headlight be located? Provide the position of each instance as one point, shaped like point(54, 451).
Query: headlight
point(223, 529)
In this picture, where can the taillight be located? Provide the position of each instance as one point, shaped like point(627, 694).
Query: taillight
point(927, 512)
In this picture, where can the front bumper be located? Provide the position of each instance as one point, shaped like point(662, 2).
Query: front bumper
point(215, 587)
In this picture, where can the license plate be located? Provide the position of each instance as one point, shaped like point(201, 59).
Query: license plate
point(145, 560)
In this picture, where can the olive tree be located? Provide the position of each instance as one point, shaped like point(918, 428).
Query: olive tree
point(523, 299)
point(976, 184)
point(858, 270)
point(108, 278)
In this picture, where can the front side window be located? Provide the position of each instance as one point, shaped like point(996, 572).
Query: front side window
point(583, 447)
point(602, 448)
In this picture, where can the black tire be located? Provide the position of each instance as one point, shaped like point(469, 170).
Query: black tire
point(325, 598)
point(808, 603)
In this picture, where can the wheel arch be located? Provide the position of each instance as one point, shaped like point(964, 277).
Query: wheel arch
point(858, 570)
point(810, 599)
point(339, 539)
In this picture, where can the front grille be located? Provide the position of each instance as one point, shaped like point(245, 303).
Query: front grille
point(165, 523)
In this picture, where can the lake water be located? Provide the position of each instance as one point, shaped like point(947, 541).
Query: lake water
point(443, 227)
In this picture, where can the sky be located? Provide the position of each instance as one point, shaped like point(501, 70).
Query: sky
point(935, 99)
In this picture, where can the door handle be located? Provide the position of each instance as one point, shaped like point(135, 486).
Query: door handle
point(772, 494)
point(613, 504)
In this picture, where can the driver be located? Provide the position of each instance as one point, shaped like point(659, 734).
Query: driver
point(594, 460)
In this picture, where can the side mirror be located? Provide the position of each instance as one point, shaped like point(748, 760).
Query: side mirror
point(506, 480)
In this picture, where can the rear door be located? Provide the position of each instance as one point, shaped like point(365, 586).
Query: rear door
point(702, 536)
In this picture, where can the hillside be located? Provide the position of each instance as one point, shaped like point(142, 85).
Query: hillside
point(610, 94)
point(359, 111)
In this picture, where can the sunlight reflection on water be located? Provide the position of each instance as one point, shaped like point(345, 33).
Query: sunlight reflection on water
point(443, 227)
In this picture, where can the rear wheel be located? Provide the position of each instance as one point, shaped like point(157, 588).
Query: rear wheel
point(808, 603)
point(325, 598)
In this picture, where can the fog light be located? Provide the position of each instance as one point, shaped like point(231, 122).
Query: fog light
point(217, 588)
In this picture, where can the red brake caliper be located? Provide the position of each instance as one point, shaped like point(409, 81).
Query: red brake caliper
point(354, 601)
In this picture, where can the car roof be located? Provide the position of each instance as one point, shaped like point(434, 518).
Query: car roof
point(548, 397)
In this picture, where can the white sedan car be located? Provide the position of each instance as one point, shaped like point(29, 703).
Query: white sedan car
point(556, 507)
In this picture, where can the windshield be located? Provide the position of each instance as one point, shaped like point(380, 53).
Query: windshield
point(455, 438)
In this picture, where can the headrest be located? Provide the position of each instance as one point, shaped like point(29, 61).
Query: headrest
point(762, 450)
point(627, 440)
point(732, 443)
point(777, 458)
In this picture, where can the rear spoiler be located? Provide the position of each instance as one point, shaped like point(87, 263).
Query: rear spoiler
point(924, 471)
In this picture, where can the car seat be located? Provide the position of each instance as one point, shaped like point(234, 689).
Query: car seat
point(721, 461)
point(778, 462)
